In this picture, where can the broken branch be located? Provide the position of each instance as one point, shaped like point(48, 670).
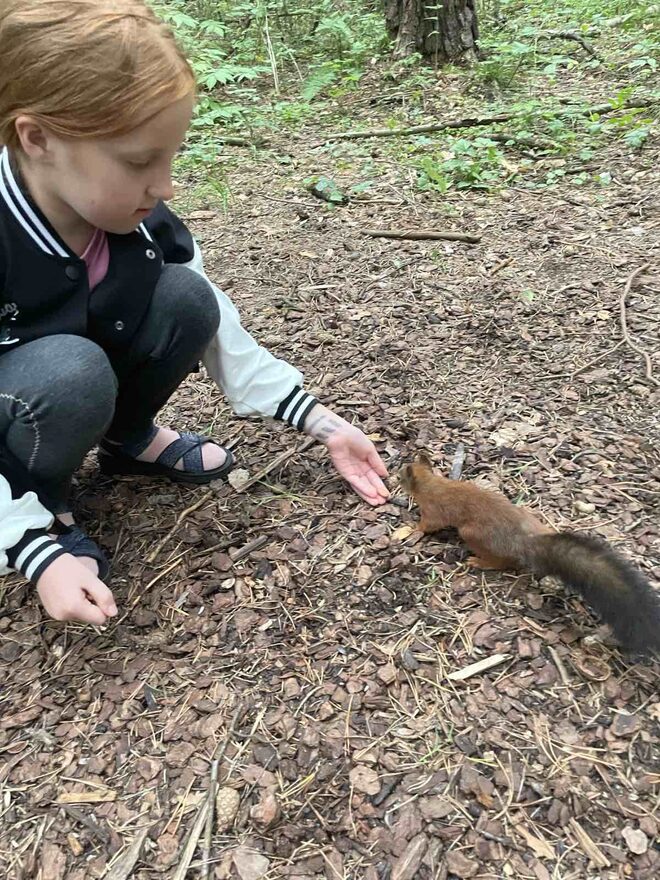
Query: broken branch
point(275, 463)
point(475, 121)
point(422, 235)
point(624, 324)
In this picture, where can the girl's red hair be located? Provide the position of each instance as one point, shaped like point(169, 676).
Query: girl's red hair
point(86, 68)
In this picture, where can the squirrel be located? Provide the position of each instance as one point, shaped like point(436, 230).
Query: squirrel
point(506, 537)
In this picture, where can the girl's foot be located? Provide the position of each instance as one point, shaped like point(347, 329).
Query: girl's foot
point(212, 456)
point(180, 456)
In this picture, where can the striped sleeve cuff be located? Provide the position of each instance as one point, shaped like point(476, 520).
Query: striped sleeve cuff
point(33, 554)
point(295, 408)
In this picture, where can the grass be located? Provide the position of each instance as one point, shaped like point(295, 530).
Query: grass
point(275, 70)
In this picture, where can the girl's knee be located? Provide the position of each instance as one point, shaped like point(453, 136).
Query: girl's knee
point(81, 378)
point(188, 299)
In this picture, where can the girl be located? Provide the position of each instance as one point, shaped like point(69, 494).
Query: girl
point(104, 304)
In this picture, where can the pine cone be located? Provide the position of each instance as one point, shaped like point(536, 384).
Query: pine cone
point(227, 801)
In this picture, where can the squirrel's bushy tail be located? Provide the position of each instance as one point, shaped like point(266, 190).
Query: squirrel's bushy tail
point(620, 593)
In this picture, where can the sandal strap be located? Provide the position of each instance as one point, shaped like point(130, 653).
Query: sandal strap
point(188, 447)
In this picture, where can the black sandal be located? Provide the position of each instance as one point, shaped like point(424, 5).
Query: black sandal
point(120, 459)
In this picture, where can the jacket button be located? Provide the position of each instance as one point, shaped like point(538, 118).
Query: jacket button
point(119, 325)
point(72, 273)
point(151, 255)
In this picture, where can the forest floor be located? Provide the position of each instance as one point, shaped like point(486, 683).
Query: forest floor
point(328, 631)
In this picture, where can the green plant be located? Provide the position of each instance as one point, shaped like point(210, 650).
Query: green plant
point(464, 164)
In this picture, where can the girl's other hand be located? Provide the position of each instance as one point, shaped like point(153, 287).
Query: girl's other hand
point(69, 591)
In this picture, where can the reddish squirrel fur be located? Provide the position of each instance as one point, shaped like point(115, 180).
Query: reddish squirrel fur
point(503, 536)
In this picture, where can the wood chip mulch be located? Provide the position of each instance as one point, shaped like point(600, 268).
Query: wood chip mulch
point(330, 625)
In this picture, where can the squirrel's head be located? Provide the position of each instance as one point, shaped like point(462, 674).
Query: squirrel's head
point(410, 473)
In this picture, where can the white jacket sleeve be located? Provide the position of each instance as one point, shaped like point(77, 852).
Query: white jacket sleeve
point(23, 522)
point(253, 380)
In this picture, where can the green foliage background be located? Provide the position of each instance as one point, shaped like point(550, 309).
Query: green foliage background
point(273, 66)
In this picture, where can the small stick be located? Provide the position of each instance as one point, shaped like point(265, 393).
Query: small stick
point(422, 235)
point(471, 121)
point(123, 867)
point(275, 463)
point(594, 361)
point(457, 463)
point(213, 784)
point(501, 265)
point(118, 620)
point(624, 324)
point(569, 35)
point(588, 846)
point(184, 513)
point(479, 666)
point(259, 542)
point(559, 663)
point(191, 843)
point(87, 821)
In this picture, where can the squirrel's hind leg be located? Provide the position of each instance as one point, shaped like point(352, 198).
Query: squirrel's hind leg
point(490, 563)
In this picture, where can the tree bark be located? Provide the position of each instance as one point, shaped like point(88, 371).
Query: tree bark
point(442, 31)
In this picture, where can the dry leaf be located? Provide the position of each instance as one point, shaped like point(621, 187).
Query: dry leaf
point(250, 865)
point(365, 779)
point(539, 847)
point(267, 811)
point(460, 865)
point(636, 840)
point(410, 861)
point(53, 862)
point(402, 533)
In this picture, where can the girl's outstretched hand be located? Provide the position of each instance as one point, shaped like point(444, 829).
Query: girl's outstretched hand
point(69, 591)
point(352, 453)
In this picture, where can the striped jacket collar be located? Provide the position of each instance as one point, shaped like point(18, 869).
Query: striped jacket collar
point(30, 218)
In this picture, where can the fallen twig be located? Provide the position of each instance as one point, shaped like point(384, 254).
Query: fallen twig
point(213, 785)
point(235, 141)
point(275, 463)
point(96, 830)
point(624, 325)
point(422, 235)
point(184, 513)
point(561, 668)
point(123, 867)
point(244, 551)
point(457, 463)
point(479, 666)
point(588, 846)
point(192, 841)
point(475, 121)
point(569, 35)
point(501, 265)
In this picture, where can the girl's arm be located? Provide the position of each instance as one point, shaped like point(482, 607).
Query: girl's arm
point(24, 542)
point(257, 383)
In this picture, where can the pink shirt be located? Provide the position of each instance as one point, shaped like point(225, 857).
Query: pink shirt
point(97, 257)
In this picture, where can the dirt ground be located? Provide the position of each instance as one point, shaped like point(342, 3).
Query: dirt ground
point(305, 640)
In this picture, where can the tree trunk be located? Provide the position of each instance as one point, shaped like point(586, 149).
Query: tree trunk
point(443, 31)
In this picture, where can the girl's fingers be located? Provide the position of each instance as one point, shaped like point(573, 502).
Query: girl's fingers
point(379, 487)
point(377, 463)
point(87, 612)
point(102, 596)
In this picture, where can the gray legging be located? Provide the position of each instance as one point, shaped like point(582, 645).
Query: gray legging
point(59, 395)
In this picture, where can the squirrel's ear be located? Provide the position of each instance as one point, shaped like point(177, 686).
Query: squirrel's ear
point(423, 459)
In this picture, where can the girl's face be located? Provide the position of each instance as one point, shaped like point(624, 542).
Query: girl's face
point(114, 183)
